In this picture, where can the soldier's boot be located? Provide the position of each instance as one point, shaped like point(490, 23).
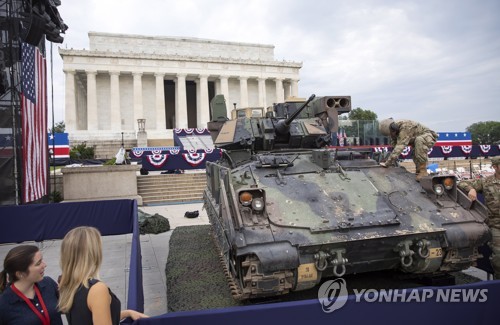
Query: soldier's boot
point(417, 168)
point(421, 172)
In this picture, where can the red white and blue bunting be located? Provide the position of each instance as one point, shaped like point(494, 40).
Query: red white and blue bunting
point(194, 158)
point(157, 160)
point(485, 148)
point(136, 153)
point(406, 151)
point(446, 150)
point(189, 131)
point(466, 150)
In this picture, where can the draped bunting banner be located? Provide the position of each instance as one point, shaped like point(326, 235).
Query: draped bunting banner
point(185, 160)
point(380, 149)
point(446, 150)
point(485, 148)
point(198, 131)
point(179, 159)
point(137, 152)
point(157, 160)
point(466, 149)
point(406, 152)
point(193, 158)
point(451, 152)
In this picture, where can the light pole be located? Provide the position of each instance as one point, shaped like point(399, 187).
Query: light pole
point(53, 163)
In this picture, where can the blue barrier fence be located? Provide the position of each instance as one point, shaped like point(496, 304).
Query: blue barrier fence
point(430, 311)
point(40, 222)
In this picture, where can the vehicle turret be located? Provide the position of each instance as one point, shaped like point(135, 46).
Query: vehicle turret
point(292, 124)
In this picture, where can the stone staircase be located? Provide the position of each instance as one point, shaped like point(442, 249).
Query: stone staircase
point(171, 188)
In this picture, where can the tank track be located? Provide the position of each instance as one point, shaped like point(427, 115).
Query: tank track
point(234, 287)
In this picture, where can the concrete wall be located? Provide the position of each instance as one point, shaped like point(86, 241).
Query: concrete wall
point(100, 183)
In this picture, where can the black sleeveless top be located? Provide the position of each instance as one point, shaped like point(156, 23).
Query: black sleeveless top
point(80, 313)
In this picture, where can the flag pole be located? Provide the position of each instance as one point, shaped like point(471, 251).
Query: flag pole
point(53, 156)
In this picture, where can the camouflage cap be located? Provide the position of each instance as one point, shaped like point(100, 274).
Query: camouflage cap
point(495, 160)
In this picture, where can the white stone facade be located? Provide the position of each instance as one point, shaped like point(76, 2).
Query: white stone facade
point(169, 81)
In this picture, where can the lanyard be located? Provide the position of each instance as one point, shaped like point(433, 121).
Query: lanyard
point(45, 318)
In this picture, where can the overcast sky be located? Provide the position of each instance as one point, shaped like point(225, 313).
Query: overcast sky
point(435, 61)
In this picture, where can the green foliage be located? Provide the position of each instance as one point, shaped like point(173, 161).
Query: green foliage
point(55, 197)
point(359, 123)
point(60, 127)
point(485, 132)
point(112, 161)
point(362, 115)
point(81, 151)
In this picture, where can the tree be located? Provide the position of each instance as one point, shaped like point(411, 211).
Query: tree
point(484, 132)
point(361, 123)
point(60, 127)
point(360, 114)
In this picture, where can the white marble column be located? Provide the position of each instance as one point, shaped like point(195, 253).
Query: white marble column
point(138, 110)
point(295, 87)
point(116, 116)
point(217, 87)
point(224, 87)
point(286, 88)
point(243, 92)
point(160, 102)
point(262, 92)
point(92, 122)
point(70, 101)
point(181, 119)
point(203, 110)
point(279, 91)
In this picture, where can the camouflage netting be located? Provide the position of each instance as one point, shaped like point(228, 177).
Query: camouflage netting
point(195, 278)
point(152, 224)
point(196, 281)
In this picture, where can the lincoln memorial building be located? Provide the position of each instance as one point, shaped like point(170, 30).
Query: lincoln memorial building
point(166, 81)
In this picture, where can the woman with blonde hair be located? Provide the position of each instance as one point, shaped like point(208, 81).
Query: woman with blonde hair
point(82, 296)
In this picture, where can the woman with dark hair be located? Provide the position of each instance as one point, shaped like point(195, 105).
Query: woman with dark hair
point(27, 296)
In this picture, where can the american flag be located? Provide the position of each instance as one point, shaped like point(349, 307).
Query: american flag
point(34, 122)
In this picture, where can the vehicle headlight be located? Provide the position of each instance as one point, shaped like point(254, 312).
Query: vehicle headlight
point(246, 198)
point(438, 189)
point(448, 183)
point(258, 204)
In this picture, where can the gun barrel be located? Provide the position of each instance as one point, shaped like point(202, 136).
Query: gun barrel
point(292, 117)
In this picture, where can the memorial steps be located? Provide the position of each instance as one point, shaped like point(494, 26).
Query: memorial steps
point(171, 188)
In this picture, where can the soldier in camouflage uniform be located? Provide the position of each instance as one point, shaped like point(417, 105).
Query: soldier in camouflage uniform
point(490, 187)
point(405, 133)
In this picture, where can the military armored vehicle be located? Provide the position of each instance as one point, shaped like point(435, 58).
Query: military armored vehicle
point(288, 210)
